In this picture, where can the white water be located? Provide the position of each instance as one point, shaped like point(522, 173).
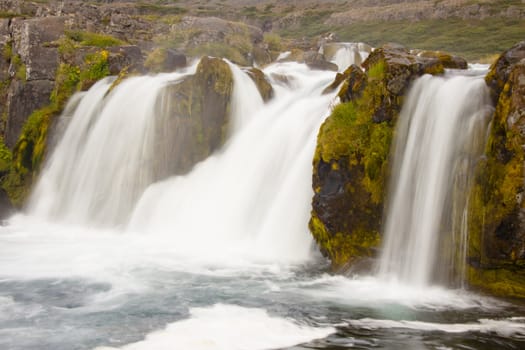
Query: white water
point(246, 99)
point(218, 259)
point(245, 198)
point(348, 54)
point(438, 139)
point(229, 327)
point(102, 164)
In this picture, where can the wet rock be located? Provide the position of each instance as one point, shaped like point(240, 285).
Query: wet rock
point(6, 208)
point(260, 80)
point(351, 160)
point(196, 117)
point(448, 60)
point(500, 71)
point(496, 251)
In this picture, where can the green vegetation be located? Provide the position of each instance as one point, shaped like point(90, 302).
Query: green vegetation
point(20, 67)
point(350, 132)
point(5, 157)
point(160, 9)
point(472, 39)
point(4, 14)
point(93, 39)
point(273, 41)
point(343, 248)
point(30, 149)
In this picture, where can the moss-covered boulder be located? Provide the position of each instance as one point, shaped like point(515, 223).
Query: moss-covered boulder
point(351, 160)
point(448, 60)
point(196, 117)
point(496, 252)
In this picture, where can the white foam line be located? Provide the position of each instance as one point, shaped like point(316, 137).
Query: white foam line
point(508, 327)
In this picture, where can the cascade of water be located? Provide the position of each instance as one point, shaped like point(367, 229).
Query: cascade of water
point(246, 99)
point(100, 166)
point(440, 135)
point(253, 197)
point(348, 54)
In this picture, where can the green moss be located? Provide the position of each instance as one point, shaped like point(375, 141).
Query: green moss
point(7, 51)
point(375, 160)
point(66, 82)
point(96, 67)
point(93, 39)
point(495, 248)
point(30, 149)
point(499, 281)
point(219, 72)
point(5, 14)
point(357, 149)
point(351, 132)
point(28, 155)
point(344, 248)
point(6, 156)
point(20, 67)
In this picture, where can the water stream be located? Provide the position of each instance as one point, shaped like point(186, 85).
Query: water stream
point(220, 258)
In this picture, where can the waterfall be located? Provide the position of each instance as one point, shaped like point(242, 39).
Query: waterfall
point(347, 54)
point(246, 99)
point(440, 135)
point(252, 196)
point(102, 164)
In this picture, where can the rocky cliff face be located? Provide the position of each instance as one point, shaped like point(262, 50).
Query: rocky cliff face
point(497, 215)
point(351, 159)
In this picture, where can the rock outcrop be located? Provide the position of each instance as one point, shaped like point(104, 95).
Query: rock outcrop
point(351, 160)
point(46, 66)
point(196, 119)
point(496, 254)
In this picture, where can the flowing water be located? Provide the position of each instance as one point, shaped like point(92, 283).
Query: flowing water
point(220, 258)
point(440, 136)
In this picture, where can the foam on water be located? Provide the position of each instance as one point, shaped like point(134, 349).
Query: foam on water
point(378, 293)
point(507, 327)
point(229, 327)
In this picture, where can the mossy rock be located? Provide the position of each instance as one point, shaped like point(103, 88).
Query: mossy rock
point(31, 148)
point(350, 165)
point(197, 118)
point(496, 250)
point(448, 60)
point(164, 60)
point(260, 80)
